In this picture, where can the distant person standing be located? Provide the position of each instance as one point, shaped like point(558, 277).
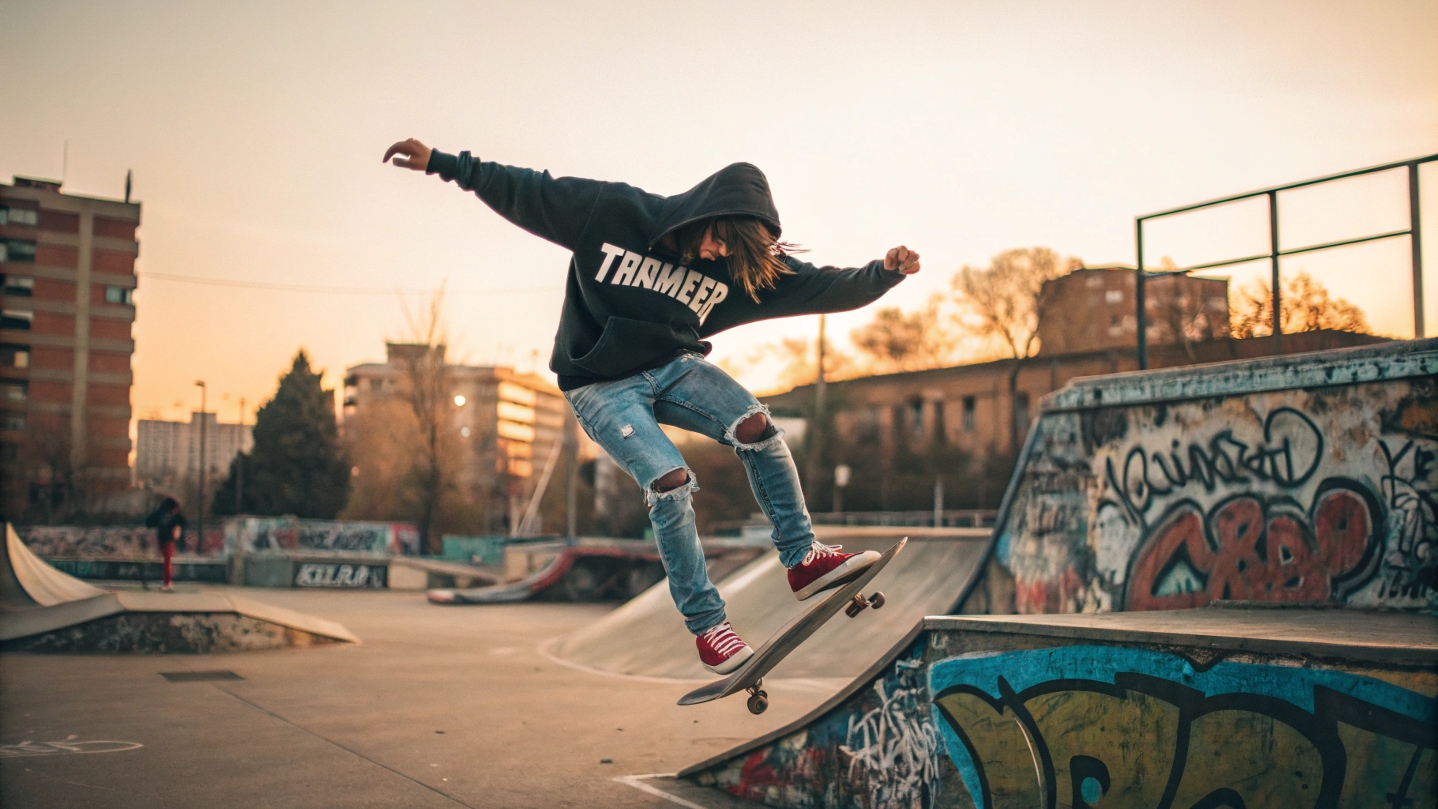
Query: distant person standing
point(169, 524)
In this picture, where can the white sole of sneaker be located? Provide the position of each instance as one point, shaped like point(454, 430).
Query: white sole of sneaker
point(736, 660)
point(839, 575)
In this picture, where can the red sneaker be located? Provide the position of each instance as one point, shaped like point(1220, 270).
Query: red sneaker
point(721, 651)
point(825, 568)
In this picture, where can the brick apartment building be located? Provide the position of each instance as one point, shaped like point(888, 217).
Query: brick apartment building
point(510, 424)
point(1094, 309)
point(65, 344)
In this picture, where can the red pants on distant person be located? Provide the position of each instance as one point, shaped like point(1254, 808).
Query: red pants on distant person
point(167, 550)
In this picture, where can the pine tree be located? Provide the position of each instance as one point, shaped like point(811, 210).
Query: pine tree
point(296, 466)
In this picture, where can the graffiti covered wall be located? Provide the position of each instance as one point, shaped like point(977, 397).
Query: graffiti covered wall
point(279, 534)
point(1321, 493)
point(964, 719)
point(1085, 726)
point(111, 542)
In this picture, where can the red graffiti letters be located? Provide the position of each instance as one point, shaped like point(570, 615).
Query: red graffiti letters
point(1247, 549)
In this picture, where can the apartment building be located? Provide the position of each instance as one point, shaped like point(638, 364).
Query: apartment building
point(68, 264)
point(1093, 310)
point(167, 453)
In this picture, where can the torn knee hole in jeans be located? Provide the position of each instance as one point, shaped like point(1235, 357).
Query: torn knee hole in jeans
point(774, 434)
point(653, 493)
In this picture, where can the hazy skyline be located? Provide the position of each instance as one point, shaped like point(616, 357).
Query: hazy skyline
point(959, 129)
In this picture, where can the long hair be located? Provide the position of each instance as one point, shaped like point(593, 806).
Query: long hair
point(756, 258)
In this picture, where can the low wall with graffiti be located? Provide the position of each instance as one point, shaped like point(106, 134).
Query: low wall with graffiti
point(245, 534)
point(112, 542)
point(1302, 479)
point(283, 534)
point(974, 713)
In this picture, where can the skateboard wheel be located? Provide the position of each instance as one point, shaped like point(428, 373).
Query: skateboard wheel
point(876, 600)
point(853, 610)
point(758, 703)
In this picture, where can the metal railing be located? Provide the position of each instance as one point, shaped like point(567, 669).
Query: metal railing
point(1276, 252)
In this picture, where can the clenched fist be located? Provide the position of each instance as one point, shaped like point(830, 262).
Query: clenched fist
point(902, 259)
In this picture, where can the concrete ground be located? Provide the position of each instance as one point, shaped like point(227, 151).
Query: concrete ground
point(439, 706)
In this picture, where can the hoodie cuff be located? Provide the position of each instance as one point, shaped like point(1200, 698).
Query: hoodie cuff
point(445, 165)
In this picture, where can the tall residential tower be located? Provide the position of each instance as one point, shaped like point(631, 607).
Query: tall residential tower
point(65, 344)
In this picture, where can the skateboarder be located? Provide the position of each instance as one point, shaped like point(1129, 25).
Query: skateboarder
point(650, 277)
point(169, 524)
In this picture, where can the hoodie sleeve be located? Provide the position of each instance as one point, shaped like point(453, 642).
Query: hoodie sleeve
point(814, 290)
point(552, 209)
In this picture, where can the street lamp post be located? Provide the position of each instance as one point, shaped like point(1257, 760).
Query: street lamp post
point(200, 516)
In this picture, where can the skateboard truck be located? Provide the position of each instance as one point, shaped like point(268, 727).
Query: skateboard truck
point(859, 603)
point(758, 697)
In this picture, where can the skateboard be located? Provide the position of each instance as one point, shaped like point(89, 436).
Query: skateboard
point(750, 676)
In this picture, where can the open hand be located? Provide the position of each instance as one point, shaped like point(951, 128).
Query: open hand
point(409, 154)
point(902, 259)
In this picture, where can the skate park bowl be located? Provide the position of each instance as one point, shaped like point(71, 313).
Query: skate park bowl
point(45, 610)
point(646, 636)
point(1225, 584)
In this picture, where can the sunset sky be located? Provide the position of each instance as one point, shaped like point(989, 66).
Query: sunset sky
point(255, 132)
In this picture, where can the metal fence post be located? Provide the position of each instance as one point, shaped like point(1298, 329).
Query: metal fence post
point(1273, 257)
point(1416, 240)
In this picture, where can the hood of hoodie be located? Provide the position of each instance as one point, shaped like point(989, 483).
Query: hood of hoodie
point(739, 189)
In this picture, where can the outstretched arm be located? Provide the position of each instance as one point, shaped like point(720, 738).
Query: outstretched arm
point(550, 208)
point(813, 290)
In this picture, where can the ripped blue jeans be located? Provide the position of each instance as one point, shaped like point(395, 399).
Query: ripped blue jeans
point(623, 417)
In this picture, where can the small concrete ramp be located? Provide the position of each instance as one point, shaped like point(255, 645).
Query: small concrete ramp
point(44, 610)
point(647, 637)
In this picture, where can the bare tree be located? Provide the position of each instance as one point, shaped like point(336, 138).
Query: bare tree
point(1003, 301)
point(800, 361)
point(1306, 305)
point(898, 341)
point(427, 389)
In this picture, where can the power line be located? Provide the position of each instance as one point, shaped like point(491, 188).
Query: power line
point(327, 290)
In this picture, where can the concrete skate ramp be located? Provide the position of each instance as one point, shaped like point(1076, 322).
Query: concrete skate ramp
point(647, 636)
point(44, 610)
point(1279, 707)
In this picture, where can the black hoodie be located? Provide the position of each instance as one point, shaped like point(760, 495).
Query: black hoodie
point(628, 305)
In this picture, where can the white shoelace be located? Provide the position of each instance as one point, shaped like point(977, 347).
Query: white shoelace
point(723, 640)
point(820, 549)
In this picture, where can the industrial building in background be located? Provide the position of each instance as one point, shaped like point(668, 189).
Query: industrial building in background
point(509, 428)
point(65, 344)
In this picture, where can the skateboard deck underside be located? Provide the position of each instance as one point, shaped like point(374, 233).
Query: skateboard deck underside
point(791, 636)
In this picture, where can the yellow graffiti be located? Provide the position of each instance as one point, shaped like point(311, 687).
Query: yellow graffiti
point(1078, 744)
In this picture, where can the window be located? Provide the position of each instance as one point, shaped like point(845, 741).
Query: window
point(14, 356)
point(17, 250)
point(941, 433)
point(909, 418)
point(1021, 412)
point(19, 216)
point(19, 286)
point(969, 421)
point(16, 319)
point(9, 452)
point(14, 422)
point(15, 391)
point(123, 295)
point(1113, 296)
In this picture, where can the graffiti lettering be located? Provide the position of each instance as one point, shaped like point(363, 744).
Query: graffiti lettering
point(1291, 451)
point(1412, 560)
point(328, 575)
point(894, 748)
point(1248, 549)
point(69, 745)
point(1080, 726)
point(286, 533)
